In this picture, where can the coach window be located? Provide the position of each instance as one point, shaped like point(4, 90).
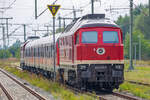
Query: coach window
point(58, 43)
point(46, 51)
point(110, 37)
point(37, 51)
point(51, 51)
point(89, 37)
point(34, 52)
point(63, 41)
point(29, 53)
point(67, 41)
point(42, 51)
point(77, 39)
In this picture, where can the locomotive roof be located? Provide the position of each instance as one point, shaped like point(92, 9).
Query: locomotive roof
point(90, 20)
point(42, 41)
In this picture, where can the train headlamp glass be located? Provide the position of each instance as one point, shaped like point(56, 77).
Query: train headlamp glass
point(83, 66)
point(118, 67)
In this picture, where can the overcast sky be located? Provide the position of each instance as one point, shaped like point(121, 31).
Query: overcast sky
point(22, 11)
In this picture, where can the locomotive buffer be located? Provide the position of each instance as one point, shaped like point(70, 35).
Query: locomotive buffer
point(54, 9)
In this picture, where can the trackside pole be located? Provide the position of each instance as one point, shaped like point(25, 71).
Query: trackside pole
point(54, 48)
point(53, 9)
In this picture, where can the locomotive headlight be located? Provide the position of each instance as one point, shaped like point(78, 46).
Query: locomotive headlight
point(83, 67)
point(119, 67)
point(100, 51)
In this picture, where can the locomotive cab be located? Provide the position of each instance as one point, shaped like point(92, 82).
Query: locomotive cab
point(99, 44)
point(99, 56)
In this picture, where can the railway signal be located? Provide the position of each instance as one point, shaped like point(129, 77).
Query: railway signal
point(54, 9)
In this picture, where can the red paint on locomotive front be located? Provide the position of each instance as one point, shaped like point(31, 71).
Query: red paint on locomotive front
point(87, 51)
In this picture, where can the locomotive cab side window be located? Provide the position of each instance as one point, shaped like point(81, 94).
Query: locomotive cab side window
point(110, 37)
point(90, 37)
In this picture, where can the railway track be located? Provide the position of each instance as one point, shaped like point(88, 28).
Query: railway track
point(105, 95)
point(139, 83)
point(20, 84)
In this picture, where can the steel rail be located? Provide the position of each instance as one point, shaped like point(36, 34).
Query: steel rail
point(139, 83)
point(100, 97)
point(5, 91)
point(124, 96)
point(75, 90)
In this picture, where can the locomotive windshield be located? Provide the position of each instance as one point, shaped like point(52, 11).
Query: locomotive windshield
point(89, 37)
point(110, 37)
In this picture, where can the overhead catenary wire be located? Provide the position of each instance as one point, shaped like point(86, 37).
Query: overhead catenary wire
point(84, 4)
point(10, 5)
point(36, 16)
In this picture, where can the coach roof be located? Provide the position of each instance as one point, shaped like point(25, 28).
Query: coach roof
point(42, 41)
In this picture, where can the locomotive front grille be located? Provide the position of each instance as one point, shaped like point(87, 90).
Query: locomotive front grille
point(108, 72)
point(117, 73)
point(102, 72)
point(100, 75)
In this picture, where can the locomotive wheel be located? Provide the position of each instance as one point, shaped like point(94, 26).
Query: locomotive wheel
point(109, 87)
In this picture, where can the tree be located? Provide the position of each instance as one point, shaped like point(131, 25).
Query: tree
point(58, 30)
point(145, 45)
point(15, 49)
point(123, 22)
point(5, 54)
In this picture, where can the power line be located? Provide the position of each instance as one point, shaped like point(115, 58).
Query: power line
point(14, 30)
point(10, 5)
point(5, 8)
point(36, 15)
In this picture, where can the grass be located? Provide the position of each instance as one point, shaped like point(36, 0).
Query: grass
point(140, 74)
point(137, 90)
point(58, 91)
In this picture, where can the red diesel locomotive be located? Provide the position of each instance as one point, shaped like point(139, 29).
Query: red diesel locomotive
point(89, 53)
